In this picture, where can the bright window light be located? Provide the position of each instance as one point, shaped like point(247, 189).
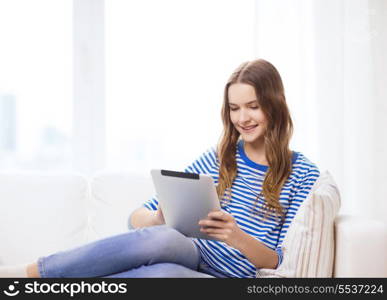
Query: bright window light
point(35, 84)
point(166, 66)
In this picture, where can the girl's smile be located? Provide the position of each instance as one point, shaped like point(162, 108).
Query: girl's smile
point(248, 129)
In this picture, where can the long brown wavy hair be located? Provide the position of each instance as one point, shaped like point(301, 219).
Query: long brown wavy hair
point(267, 82)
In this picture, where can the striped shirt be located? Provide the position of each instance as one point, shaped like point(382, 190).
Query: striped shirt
point(246, 188)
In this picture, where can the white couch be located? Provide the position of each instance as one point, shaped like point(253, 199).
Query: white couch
point(41, 213)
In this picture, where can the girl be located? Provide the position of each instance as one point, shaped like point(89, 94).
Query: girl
point(260, 184)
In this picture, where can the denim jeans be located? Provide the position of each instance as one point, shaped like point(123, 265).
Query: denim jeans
point(157, 251)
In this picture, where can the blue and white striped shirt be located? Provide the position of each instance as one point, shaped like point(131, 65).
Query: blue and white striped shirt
point(245, 189)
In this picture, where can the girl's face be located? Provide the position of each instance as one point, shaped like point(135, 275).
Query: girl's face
point(245, 113)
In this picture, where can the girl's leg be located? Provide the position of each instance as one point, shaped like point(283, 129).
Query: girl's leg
point(123, 252)
point(161, 270)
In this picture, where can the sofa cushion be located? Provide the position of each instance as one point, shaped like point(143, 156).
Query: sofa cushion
point(115, 195)
point(309, 244)
point(40, 213)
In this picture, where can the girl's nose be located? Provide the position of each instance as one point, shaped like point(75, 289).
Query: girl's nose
point(244, 116)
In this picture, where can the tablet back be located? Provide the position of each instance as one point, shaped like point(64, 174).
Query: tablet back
point(185, 198)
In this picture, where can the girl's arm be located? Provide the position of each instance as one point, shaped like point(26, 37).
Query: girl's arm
point(143, 217)
point(256, 252)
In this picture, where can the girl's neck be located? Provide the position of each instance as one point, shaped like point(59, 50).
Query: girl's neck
point(256, 152)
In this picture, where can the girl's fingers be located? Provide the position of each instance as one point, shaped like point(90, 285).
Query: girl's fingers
point(215, 231)
point(220, 215)
point(212, 223)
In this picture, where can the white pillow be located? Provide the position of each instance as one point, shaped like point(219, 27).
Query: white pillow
point(308, 246)
point(115, 195)
point(40, 213)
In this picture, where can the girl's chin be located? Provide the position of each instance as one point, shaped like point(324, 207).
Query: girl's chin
point(251, 138)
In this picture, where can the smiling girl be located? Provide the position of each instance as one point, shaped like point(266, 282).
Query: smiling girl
point(260, 182)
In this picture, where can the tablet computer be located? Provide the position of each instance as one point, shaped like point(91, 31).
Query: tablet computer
point(185, 198)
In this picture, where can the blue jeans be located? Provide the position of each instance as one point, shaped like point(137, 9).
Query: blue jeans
point(157, 251)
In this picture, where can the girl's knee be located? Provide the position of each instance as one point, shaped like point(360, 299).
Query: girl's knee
point(163, 232)
point(168, 240)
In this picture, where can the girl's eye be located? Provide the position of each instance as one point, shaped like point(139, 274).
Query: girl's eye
point(233, 109)
point(254, 107)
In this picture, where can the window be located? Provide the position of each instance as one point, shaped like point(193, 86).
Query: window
point(35, 84)
point(166, 66)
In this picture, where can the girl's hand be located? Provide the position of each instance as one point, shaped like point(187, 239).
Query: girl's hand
point(159, 217)
point(222, 225)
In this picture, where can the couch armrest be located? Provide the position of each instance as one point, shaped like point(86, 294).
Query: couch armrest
point(360, 247)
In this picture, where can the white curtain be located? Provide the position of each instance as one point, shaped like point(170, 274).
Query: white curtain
point(331, 55)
